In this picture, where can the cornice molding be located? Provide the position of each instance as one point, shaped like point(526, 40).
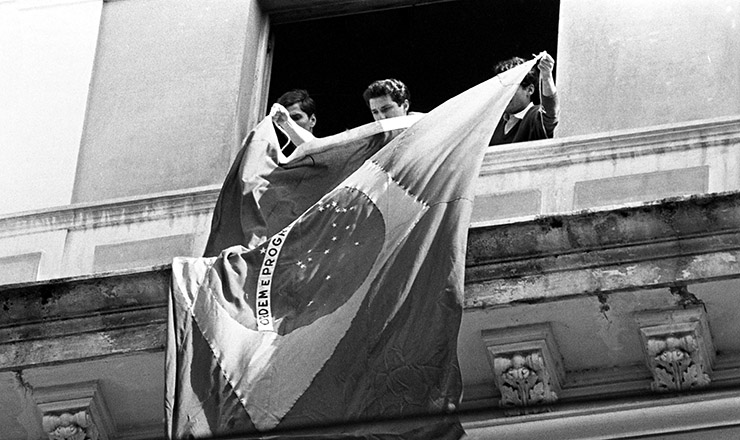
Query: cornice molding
point(661, 139)
point(83, 296)
point(191, 202)
point(631, 418)
point(656, 222)
point(672, 242)
point(70, 319)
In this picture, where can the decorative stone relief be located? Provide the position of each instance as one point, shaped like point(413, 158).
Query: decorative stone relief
point(78, 426)
point(526, 365)
point(678, 348)
point(524, 380)
point(74, 412)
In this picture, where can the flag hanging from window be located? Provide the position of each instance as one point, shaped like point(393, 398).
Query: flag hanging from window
point(337, 311)
point(265, 191)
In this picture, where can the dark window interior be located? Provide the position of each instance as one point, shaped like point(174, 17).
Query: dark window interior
point(438, 50)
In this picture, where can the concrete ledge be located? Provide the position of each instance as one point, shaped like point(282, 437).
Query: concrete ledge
point(128, 210)
point(675, 241)
point(669, 417)
point(660, 139)
point(70, 319)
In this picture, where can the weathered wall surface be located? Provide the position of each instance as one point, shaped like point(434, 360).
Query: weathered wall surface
point(588, 277)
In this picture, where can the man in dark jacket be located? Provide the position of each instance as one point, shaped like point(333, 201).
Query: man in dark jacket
point(522, 120)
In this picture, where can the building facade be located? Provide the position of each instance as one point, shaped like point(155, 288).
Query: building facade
point(602, 264)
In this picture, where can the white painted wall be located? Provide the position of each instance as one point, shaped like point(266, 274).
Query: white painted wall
point(47, 50)
point(670, 160)
point(633, 63)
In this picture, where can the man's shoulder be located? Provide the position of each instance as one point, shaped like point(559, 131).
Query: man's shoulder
point(533, 111)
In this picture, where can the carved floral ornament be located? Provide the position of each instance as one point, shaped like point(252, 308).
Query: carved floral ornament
point(677, 364)
point(78, 426)
point(74, 412)
point(524, 380)
point(527, 367)
point(678, 348)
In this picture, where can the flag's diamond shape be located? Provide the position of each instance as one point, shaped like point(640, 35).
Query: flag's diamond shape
point(327, 254)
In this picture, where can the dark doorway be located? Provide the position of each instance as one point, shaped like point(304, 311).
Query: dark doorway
point(439, 50)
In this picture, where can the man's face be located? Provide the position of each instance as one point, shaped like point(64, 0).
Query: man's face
point(301, 118)
point(383, 107)
point(520, 100)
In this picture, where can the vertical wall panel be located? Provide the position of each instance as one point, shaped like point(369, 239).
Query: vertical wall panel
point(19, 268)
point(655, 185)
point(47, 49)
point(631, 63)
point(163, 101)
point(141, 253)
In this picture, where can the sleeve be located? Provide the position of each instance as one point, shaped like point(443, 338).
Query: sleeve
point(550, 113)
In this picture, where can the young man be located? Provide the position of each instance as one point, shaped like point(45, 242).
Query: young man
point(522, 120)
point(387, 98)
point(301, 108)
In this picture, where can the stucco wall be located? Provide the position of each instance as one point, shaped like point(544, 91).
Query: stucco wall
point(163, 102)
point(629, 64)
point(47, 50)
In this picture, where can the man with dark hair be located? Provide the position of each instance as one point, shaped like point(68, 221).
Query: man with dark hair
point(300, 106)
point(522, 120)
point(387, 98)
point(295, 113)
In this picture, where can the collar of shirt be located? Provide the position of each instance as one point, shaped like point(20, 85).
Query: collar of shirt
point(520, 115)
point(511, 120)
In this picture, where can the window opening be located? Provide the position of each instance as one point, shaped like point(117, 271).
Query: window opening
point(438, 50)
